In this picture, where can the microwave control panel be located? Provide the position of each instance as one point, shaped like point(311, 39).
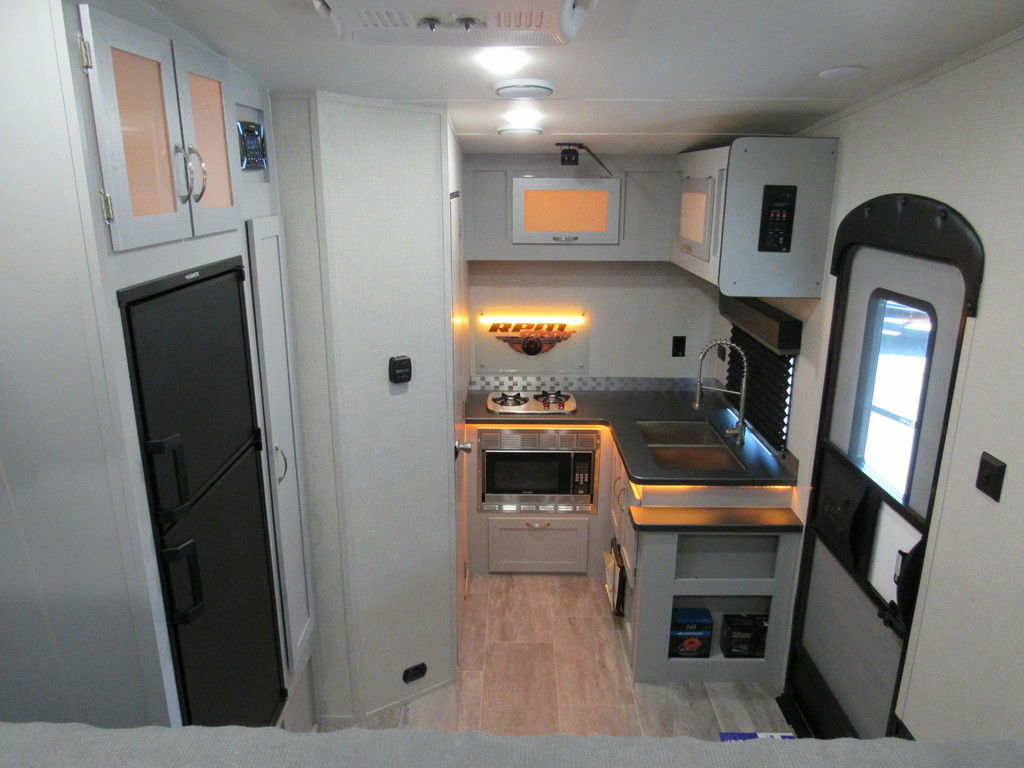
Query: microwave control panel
point(581, 465)
point(778, 205)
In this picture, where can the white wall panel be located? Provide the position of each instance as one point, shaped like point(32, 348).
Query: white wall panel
point(633, 309)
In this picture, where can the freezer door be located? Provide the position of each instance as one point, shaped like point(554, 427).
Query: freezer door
point(219, 600)
point(193, 383)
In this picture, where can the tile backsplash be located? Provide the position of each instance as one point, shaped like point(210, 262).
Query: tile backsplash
point(518, 383)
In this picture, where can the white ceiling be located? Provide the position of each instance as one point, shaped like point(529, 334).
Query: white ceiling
point(641, 76)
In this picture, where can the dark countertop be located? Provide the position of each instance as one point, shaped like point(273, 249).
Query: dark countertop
point(715, 519)
point(621, 410)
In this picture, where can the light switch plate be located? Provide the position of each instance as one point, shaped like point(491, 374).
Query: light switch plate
point(991, 472)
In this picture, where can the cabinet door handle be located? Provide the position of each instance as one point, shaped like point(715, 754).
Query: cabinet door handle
point(279, 452)
point(538, 525)
point(617, 494)
point(565, 238)
point(202, 166)
point(190, 173)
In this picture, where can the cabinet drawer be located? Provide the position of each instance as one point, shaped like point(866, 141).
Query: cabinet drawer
point(537, 544)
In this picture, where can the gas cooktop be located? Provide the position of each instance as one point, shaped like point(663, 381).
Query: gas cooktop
point(531, 403)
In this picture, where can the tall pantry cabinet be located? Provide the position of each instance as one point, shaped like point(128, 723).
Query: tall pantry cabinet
point(365, 203)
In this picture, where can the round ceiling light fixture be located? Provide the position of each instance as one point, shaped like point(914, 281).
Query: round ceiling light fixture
point(502, 61)
point(520, 130)
point(524, 88)
point(849, 72)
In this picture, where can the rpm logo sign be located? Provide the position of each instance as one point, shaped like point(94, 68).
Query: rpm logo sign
point(530, 338)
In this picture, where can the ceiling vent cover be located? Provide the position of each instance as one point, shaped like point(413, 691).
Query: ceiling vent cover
point(478, 23)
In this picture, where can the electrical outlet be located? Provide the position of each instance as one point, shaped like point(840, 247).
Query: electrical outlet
point(678, 346)
point(991, 472)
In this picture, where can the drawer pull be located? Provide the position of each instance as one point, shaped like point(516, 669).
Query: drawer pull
point(538, 525)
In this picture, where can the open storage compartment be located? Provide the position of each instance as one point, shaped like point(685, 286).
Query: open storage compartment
point(726, 556)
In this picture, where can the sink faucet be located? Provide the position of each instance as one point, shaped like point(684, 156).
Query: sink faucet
point(738, 430)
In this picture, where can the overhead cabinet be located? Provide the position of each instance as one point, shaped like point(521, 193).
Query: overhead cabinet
point(162, 133)
point(753, 217)
point(565, 211)
point(531, 208)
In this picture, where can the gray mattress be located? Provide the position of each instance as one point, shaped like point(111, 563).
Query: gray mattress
point(49, 744)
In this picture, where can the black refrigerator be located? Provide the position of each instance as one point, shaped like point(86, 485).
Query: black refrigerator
point(191, 372)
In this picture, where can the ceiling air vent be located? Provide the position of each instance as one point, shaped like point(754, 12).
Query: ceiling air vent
point(478, 23)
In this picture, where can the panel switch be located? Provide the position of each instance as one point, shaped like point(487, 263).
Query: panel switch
point(991, 472)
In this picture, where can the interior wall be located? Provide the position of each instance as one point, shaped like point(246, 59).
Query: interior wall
point(634, 308)
point(76, 643)
point(955, 137)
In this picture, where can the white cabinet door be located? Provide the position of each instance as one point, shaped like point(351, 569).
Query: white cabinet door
point(267, 259)
point(537, 544)
point(138, 130)
point(201, 77)
point(162, 132)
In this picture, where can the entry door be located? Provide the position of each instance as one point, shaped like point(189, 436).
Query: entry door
point(903, 294)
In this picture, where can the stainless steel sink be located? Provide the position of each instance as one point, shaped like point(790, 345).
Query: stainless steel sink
point(695, 457)
point(678, 433)
point(688, 445)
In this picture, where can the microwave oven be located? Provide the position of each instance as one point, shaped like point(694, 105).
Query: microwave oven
point(538, 471)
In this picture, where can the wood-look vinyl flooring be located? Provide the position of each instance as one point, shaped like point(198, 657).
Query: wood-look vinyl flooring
point(542, 654)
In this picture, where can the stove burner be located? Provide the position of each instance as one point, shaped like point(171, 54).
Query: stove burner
point(513, 399)
point(551, 397)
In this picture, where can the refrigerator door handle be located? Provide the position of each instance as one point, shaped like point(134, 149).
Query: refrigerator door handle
point(176, 447)
point(187, 552)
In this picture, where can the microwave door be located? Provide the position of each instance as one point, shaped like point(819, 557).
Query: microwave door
point(528, 473)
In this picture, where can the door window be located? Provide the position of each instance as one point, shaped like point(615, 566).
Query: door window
point(894, 375)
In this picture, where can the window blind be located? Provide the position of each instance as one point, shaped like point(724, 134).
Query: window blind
point(769, 387)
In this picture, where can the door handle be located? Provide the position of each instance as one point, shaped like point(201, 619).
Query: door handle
point(191, 150)
point(190, 173)
point(538, 525)
point(462, 448)
point(565, 238)
point(279, 452)
point(187, 552)
point(175, 446)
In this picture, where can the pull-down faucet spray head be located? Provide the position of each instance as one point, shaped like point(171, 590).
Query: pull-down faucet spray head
point(698, 392)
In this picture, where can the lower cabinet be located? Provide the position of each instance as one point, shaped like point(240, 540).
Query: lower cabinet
point(724, 574)
point(518, 544)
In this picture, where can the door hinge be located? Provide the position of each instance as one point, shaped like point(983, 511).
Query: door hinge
point(107, 206)
point(258, 439)
point(85, 53)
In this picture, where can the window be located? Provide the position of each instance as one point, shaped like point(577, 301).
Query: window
point(769, 387)
point(890, 395)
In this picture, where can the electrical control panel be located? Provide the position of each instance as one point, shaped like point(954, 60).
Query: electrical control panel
point(252, 146)
point(778, 207)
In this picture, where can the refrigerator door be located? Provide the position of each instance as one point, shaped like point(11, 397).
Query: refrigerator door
point(220, 603)
point(193, 382)
point(192, 379)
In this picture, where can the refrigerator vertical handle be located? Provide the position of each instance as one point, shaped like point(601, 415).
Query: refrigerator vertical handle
point(187, 552)
point(176, 447)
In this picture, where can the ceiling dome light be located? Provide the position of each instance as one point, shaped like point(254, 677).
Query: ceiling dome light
point(502, 61)
point(523, 116)
point(520, 130)
point(524, 88)
point(836, 74)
